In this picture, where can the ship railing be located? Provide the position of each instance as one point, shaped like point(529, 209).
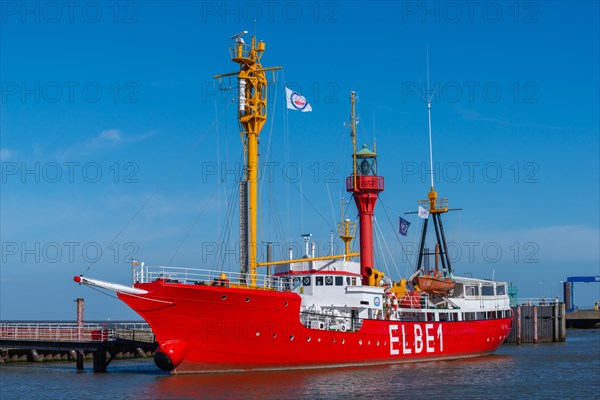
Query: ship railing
point(68, 332)
point(240, 51)
point(133, 333)
point(139, 326)
point(365, 182)
point(420, 301)
point(143, 274)
point(536, 301)
point(440, 204)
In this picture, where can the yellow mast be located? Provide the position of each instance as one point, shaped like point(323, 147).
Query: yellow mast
point(346, 232)
point(252, 114)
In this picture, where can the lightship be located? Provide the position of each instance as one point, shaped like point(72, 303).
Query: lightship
point(313, 312)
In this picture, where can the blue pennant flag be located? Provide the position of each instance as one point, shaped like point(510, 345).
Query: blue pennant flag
point(404, 224)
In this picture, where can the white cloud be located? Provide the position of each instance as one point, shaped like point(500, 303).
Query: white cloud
point(105, 140)
point(110, 134)
point(6, 154)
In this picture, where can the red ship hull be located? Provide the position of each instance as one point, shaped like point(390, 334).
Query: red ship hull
point(208, 329)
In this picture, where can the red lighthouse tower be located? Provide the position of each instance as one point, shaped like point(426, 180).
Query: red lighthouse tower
point(365, 186)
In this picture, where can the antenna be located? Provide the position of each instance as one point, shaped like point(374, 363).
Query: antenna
point(429, 123)
point(374, 134)
point(238, 37)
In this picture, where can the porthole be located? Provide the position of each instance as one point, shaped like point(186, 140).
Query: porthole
point(274, 335)
point(332, 340)
point(257, 333)
point(308, 338)
point(319, 340)
point(247, 299)
point(369, 342)
point(285, 304)
point(223, 298)
point(378, 343)
point(360, 342)
point(291, 337)
point(343, 341)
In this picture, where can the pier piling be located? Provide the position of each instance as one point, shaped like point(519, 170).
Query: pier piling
point(35, 356)
point(538, 323)
point(518, 324)
point(79, 360)
point(535, 324)
point(100, 363)
point(563, 323)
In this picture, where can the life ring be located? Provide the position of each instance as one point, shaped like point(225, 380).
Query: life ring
point(432, 272)
point(343, 327)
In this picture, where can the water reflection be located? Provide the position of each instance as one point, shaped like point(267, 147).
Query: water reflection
point(558, 370)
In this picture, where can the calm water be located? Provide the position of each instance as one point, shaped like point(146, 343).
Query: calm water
point(561, 370)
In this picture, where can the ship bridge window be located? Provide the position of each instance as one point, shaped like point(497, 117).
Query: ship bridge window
point(319, 281)
point(487, 290)
point(296, 282)
point(306, 281)
point(348, 281)
point(339, 281)
point(500, 290)
point(472, 290)
point(329, 280)
point(469, 316)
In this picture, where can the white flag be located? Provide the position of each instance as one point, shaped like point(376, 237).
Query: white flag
point(295, 101)
point(423, 213)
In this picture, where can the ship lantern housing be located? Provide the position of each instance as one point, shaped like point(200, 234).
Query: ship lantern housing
point(366, 161)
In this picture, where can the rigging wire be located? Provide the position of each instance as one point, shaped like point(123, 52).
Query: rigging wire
point(286, 144)
point(301, 207)
point(225, 236)
point(419, 242)
point(457, 229)
point(379, 239)
point(270, 134)
point(218, 163)
point(103, 292)
point(261, 228)
point(277, 222)
point(395, 232)
point(166, 179)
point(330, 203)
point(192, 226)
point(312, 205)
point(386, 246)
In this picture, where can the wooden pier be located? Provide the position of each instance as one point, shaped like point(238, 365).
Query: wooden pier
point(538, 321)
point(40, 341)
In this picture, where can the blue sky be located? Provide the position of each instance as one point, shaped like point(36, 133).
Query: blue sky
point(110, 139)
